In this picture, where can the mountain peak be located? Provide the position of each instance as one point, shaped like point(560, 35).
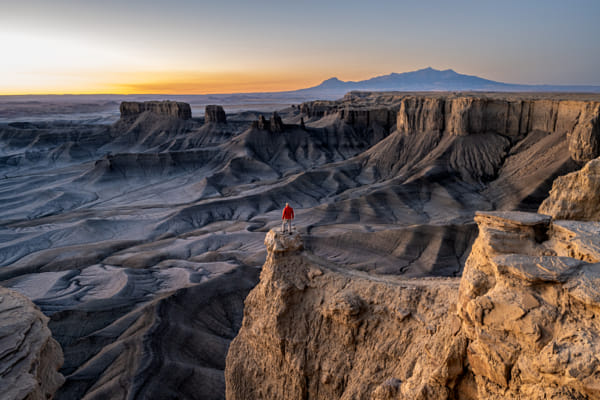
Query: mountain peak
point(431, 79)
point(331, 83)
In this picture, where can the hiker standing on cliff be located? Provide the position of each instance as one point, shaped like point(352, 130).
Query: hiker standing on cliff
point(287, 216)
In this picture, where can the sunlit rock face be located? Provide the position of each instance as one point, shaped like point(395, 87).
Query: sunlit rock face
point(522, 321)
point(576, 195)
point(314, 330)
point(528, 301)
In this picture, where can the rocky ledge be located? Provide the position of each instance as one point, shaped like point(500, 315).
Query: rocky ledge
point(283, 243)
point(522, 322)
point(529, 303)
point(29, 356)
point(165, 108)
point(313, 331)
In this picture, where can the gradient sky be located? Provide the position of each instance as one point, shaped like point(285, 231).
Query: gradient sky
point(224, 46)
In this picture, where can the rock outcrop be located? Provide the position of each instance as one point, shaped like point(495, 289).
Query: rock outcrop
point(313, 331)
point(29, 356)
point(523, 323)
point(274, 125)
point(214, 113)
point(165, 108)
point(529, 309)
point(576, 195)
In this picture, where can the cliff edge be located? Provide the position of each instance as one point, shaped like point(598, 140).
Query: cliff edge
point(312, 330)
point(29, 356)
point(522, 322)
point(529, 303)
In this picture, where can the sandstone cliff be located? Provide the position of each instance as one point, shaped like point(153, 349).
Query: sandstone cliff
point(382, 115)
point(29, 356)
point(314, 331)
point(575, 196)
point(529, 308)
point(520, 323)
point(165, 108)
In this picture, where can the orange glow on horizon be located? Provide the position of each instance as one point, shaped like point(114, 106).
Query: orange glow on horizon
point(164, 82)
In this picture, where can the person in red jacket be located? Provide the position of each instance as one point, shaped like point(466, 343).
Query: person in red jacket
point(287, 216)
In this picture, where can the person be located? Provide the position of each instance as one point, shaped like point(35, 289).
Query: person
point(287, 216)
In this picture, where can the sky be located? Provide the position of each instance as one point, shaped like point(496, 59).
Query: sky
point(227, 46)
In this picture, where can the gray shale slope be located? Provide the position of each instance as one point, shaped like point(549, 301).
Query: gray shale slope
point(140, 240)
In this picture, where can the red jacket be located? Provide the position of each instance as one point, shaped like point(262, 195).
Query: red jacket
point(288, 213)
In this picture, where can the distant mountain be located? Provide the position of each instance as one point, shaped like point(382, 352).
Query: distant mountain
point(430, 79)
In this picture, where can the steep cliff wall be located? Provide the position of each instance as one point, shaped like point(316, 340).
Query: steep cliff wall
point(522, 323)
point(529, 309)
point(513, 118)
point(313, 331)
point(382, 114)
point(166, 108)
point(29, 356)
point(510, 115)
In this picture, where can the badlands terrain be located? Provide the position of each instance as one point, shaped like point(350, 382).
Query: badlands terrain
point(140, 240)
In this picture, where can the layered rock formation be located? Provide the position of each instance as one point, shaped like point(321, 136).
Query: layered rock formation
point(314, 331)
point(467, 114)
point(575, 196)
point(383, 114)
point(521, 324)
point(165, 108)
point(528, 308)
point(29, 356)
point(512, 118)
point(214, 113)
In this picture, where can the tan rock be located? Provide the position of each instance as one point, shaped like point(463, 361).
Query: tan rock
point(278, 242)
point(530, 317)
point(341, 335)
point(584, 141)
point(575, 195)
point(580, 240)
point(29, 356)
